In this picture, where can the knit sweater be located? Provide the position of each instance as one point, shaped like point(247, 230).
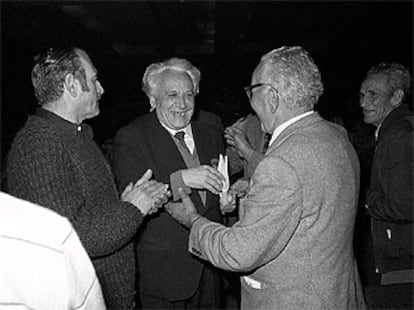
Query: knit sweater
point(56, 164)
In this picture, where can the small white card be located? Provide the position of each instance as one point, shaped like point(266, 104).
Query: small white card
point(223, 168)
point(253, 283)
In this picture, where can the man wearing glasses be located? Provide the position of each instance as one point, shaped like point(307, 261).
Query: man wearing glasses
point(293, 240)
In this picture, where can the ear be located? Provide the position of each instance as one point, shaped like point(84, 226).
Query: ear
point(71, 84)
point(397, 97)
point(152, 103)
point(273, 100)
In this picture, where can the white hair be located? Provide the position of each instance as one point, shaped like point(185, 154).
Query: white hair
point(154, 72)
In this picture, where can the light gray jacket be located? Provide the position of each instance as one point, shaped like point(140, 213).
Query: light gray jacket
point(295, 229)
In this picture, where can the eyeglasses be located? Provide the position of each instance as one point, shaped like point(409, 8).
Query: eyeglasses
point(249, 89)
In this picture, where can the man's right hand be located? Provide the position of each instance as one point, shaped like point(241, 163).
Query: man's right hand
point(146, 194)
point(183, 212)
point(204, 177)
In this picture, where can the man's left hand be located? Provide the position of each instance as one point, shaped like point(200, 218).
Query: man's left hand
point(227, 202)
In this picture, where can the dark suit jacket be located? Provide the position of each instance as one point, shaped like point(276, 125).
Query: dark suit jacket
point(166, 269)
point(390, 196)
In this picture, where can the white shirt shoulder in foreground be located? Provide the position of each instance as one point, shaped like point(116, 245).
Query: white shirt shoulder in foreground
point(43, 264)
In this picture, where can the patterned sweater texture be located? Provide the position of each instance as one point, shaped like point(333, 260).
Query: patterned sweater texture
point(56, 164)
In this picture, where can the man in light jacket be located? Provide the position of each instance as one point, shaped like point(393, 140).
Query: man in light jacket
point(294, 236)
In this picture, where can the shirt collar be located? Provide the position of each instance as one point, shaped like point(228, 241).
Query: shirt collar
point(172, 132)
point(377, 130)
point(64, 125)
point(279, 129)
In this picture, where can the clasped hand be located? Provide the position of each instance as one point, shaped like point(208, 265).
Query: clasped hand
point(147, 195)
point(183, 212)
point(228, 202)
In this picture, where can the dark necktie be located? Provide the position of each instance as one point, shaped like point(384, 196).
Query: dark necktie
point(179, 135)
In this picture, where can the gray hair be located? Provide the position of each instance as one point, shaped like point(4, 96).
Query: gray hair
point(294, 72)
point(398, 77)
point(154, 72)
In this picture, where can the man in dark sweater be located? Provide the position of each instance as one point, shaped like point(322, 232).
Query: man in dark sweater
point(54, 162)
point(389, 200)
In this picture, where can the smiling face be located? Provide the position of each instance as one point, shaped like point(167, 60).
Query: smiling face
point(174, 99)
point(375, 99)
point(89, 100)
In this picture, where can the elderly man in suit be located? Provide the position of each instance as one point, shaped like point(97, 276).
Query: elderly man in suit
point(293, 240)
point(178, 146)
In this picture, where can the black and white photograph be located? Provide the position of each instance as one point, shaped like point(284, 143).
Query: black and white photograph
point(181, 154)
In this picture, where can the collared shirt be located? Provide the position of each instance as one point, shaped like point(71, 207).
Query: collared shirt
point(377, 130)
point(286, 124)
point(66, 126)
point(188, 138)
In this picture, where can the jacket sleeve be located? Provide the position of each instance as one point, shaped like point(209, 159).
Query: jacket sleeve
point(254, 160)
point(128, 164)
point(41, 172)
point(393, 202)
point(266, 224)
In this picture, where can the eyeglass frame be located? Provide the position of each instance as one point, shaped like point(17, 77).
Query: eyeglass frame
point(248, 89)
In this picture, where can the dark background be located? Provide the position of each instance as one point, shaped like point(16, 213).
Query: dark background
point(225, 39)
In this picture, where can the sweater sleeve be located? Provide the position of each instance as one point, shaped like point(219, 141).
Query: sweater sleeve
point(40, 170)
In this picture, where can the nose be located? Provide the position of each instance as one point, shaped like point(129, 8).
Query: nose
point(363, 101)
point(100, 89)
point(181, 102)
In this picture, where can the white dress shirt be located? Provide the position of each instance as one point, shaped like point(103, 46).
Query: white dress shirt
point(188, 138)
point(279, 129)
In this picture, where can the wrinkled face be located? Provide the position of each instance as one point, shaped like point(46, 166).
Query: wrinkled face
point(375, 99)
point(89, 103)
point(174, 100)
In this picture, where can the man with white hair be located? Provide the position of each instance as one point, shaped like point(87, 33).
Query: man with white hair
point(294, 236)
point(177, 143)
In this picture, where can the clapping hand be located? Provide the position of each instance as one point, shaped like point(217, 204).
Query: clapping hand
point(147, 195)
